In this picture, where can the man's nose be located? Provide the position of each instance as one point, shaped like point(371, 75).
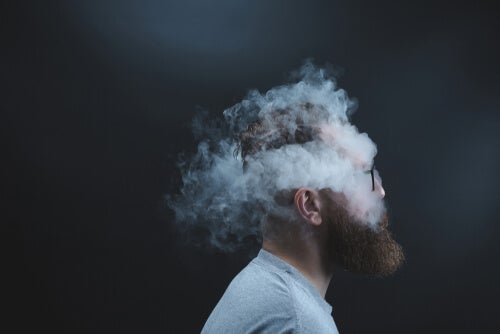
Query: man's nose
point(379, 188)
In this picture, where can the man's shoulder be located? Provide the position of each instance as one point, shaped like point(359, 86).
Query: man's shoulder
point(258, 299)
point(260, 286)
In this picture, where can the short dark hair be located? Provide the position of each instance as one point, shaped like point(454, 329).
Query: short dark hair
point(275, 132)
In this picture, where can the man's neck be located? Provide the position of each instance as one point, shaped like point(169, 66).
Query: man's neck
point(307, 259)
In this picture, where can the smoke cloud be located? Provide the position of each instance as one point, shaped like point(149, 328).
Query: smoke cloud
point(221, 202)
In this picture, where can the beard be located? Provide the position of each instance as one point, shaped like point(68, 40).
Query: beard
point(359, 248)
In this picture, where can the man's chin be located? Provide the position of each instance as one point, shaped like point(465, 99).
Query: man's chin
point(364, 250)
point(378, 254)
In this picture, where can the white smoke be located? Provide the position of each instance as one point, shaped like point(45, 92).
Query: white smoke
point(219, 201)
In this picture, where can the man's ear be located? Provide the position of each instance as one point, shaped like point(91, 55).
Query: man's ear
point(308, 204)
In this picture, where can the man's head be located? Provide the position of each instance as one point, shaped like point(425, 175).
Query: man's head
point(294, 136)
point(342, 217)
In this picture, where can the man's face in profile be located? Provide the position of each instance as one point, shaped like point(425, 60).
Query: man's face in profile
point(354, 244)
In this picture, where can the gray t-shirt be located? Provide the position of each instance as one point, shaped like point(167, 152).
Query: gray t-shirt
point(270, 296)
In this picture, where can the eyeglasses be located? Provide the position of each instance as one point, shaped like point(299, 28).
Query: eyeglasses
point(372, 172)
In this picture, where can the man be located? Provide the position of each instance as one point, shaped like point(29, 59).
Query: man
point(308, 190)
point(308, 229)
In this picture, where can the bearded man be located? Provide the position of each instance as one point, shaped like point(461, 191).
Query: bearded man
point(324, 209)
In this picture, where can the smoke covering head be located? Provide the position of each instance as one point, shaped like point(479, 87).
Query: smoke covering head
point(293, 136)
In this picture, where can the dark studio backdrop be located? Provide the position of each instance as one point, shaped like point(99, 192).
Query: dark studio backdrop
point(96, 102)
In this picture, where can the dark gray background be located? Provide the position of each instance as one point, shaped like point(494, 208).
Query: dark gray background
point(96, 102)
